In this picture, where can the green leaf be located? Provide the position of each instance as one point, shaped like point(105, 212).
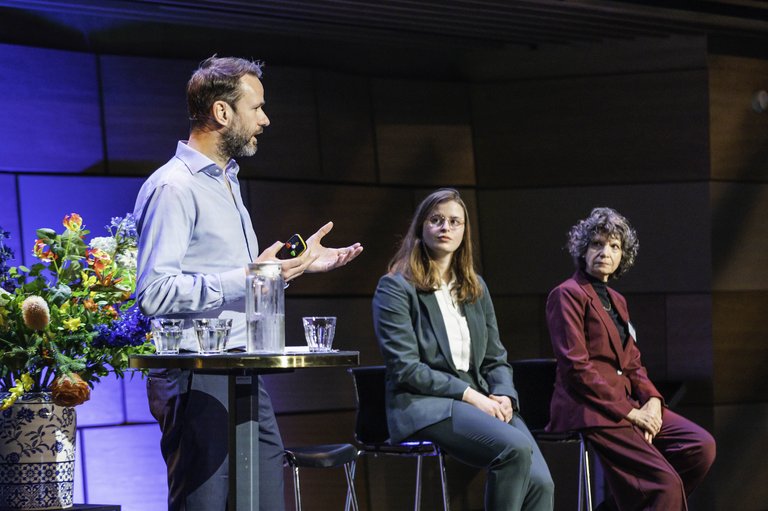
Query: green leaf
point(60, 294)
point(45, 233)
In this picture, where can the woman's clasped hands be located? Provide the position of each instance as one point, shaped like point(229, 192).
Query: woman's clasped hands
point(647, 418)
point(495, 406)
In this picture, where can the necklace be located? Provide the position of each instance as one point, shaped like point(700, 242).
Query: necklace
point(605, 302)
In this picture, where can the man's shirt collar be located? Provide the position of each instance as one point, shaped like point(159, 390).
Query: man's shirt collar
point(198, 162)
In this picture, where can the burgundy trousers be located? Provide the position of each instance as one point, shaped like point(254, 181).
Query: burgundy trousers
point(657, 476)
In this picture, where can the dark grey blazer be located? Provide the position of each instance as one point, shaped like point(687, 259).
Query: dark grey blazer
point(422, 380)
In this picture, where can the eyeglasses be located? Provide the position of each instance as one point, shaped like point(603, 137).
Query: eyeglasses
point(452, 222)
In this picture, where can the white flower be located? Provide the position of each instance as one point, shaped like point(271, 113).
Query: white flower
point(128, 259)
point(105, 243)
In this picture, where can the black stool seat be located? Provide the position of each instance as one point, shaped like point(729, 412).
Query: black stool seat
point(321, 456)
point(324, 456)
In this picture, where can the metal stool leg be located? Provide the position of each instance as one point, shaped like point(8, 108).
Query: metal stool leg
point(443, 480)
point(349, 472)
point(348, 502)
point(417, 504)
point(585, 483)
point(296, 488)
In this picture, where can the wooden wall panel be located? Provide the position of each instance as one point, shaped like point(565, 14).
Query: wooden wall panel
point(50, 105)
point(311, 390)
point(738, 135)
point(523, 252)
point(289, 147)
point(689, 337)
point(656, 54)
point(592, 130)
point(145, 110)
point(345, 117)
point(9, 219)
point(739, 236)
point(740, 348)
point(740, 470)
point(373, 216)
point(522, 325)
point(423, 133)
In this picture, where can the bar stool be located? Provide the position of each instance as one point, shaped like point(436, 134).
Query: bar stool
point(372, 433)
point(535, 383)
point(324, 456)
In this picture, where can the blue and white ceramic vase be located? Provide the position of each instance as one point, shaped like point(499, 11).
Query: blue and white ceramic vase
point(37, 454)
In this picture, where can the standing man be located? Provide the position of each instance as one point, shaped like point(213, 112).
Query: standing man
point(195, 241)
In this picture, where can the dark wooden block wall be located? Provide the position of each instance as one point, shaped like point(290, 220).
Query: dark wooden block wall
point(665, 137)
point(739, 205)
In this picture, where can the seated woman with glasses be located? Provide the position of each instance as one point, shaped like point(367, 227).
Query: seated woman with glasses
point(448, 380)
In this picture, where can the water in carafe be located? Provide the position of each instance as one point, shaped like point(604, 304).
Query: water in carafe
point(265, 308)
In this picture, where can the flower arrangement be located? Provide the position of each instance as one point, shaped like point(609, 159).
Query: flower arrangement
point(70, 319)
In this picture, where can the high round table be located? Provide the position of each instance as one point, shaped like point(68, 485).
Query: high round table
point(242, 370)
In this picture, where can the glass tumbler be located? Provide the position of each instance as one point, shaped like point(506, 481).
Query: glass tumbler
point(167, 334)
point(212, 335)
point(319, 331)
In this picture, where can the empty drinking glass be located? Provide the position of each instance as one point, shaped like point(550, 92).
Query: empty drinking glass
point(167, 334)
point(319, 331)
point(212, 334)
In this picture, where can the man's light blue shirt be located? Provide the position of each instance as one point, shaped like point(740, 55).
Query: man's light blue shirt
point(195, 242)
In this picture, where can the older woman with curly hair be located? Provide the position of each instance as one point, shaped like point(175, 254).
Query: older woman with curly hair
point(653, 458)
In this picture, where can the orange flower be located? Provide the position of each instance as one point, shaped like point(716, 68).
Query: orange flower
point(111, 311)
point(70, 390)
point(98, 259)
point(73, 222)
point(90, 305)
point(107, 279)
point(43, 251)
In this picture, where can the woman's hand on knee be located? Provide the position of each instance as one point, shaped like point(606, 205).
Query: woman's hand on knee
point(645, 420)
point(483, 403)
point(506, 406)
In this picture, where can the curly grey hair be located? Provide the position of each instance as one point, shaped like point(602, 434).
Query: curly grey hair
point(608, 223)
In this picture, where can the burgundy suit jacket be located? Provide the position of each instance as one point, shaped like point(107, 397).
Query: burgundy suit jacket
point(598, 380)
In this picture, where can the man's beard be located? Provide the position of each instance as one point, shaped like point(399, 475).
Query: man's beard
point(235, 143)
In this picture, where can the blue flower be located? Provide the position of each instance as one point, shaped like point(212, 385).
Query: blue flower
point(14, 457)
point(43, 413)
point(57, 446)
point(126, 226)
point(130, 329)
point(6, 254)
point(25, 414)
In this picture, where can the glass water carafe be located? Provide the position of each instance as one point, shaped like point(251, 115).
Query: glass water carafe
point(265, 308)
